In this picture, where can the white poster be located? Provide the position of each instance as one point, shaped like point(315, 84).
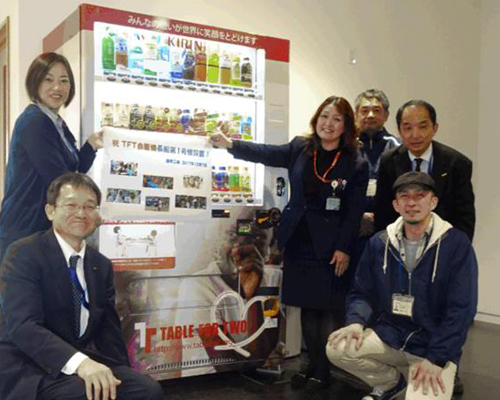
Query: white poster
point(154, 174)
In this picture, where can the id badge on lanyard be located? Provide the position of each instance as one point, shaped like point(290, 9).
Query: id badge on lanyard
point(372, 188)
point(333, 203)
point(402, 304)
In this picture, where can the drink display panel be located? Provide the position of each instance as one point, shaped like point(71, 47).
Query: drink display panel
point(174, 85)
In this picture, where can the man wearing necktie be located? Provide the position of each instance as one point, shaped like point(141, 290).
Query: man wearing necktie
point(60, 336)
point(451, 170)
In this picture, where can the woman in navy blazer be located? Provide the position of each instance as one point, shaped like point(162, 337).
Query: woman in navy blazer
point(319, 224)
point(42, 148)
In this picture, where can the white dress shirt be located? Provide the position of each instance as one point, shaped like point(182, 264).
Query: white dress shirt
point(426, 165)
point(68, 251)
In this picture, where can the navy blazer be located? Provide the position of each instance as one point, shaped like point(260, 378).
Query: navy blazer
point(37, 156)
point(330, 230)
point(452, 173)
point(37, 334)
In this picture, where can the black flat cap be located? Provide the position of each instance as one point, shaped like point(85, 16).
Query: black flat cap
point(414, 178)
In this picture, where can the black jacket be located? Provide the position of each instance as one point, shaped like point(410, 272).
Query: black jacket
point(37, 156)
point(330, 230)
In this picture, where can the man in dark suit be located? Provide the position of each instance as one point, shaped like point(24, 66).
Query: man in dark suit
point(450, 169)
point(60, 336)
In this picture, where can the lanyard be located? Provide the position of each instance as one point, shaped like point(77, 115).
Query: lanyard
point(75, 279)
point(323, 178)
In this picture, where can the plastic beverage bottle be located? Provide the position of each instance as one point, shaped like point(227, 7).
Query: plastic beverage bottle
point(234, 179)
point(121, 114)
point(150, 56)
point(246, 128)
point(163, 59)
point(214, 180)
point(211, 123)
point(135, 117)
point(107, 114)
point(245, 180)
point(121, 51)
point(199, 120)
point(149, 119)
point(136, 55)
point(162, 120)
point(175, 63)
point(223, 179)
point(246, 73)
point(234, 126)
point(200, 70)
point(236, 70)
point(108, 51)
point(188, 64)
point(186, 120)
point(213, 67)
point(225, 69)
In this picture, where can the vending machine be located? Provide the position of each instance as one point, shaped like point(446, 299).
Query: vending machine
point(190, 230)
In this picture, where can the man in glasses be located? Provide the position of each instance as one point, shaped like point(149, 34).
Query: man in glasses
point(60, 336)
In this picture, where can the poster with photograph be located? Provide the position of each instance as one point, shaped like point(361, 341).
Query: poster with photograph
point(153, 174)
point(227, 313)
point(138, 245)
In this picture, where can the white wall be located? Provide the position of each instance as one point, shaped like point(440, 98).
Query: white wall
point(487, 242)
point(426, 49)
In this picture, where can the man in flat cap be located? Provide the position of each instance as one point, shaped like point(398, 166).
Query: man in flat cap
point(413, 301)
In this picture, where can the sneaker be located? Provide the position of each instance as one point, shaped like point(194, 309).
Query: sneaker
point(389, 394)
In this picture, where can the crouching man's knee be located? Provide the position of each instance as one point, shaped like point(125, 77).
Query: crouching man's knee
point(344, 344)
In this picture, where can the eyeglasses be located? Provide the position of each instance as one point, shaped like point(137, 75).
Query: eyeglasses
point(72, 208)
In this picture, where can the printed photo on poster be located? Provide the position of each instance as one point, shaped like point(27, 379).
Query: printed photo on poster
point(126, 196)
point(196, 202)
point(123, 168)
point(138, 245)
point(155, 203)
point(147, 169)
point(192, 181)
point(158, 182)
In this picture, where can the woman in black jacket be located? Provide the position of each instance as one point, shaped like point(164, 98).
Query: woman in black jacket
point(319, 224)
point(42, 148)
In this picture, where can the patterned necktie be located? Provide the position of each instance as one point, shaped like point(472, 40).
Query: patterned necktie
point(76, 292)
point(418, 161)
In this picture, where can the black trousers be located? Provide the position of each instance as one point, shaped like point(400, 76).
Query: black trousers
point(134, 386)
point(316, 327)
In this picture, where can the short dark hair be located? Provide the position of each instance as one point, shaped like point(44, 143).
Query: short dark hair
point(373, 94)
point(422, 103)
point(39, 69)
point(348, 140)
point(76, 179)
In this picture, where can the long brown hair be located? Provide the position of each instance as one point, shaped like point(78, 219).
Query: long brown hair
point(349, 139)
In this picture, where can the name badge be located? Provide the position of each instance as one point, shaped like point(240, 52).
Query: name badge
point(372, 188)
point(333, 204)
point(402, 304)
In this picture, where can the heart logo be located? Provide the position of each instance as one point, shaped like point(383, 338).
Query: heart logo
point(243, 308)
